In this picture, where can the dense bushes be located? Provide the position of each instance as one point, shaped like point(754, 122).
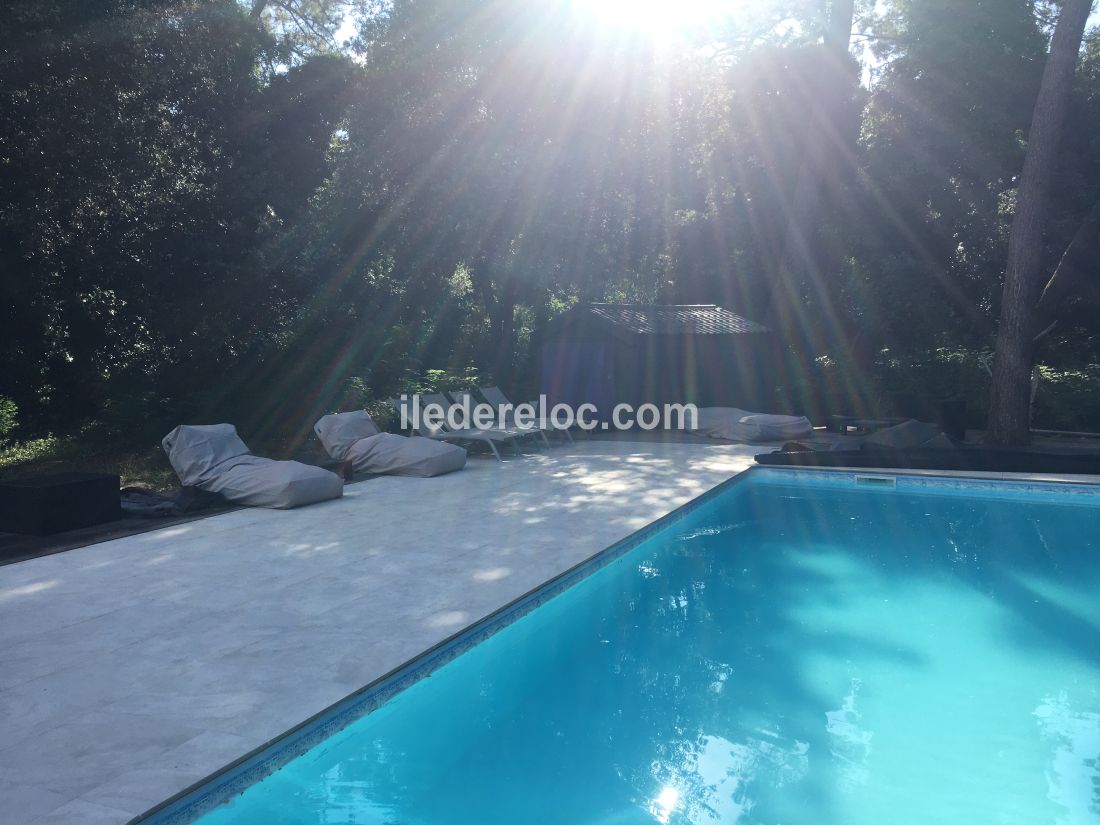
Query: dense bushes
point(8, 412)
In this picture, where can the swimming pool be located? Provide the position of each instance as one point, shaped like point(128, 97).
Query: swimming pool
point(800, 647)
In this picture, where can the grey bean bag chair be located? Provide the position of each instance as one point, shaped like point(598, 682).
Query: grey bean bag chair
point(354, 437)
point(741, 425)
point(212, 457)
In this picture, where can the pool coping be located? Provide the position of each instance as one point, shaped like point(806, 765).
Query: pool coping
point(977, 475)
point(231, 780)
point(1018, 486)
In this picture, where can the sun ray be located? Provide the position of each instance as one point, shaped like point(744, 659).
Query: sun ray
point(659, 19)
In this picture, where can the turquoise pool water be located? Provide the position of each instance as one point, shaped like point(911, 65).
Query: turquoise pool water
point(804, 655)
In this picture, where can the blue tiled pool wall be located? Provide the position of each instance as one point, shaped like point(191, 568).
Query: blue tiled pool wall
point(1003, 489)
point(234, 779)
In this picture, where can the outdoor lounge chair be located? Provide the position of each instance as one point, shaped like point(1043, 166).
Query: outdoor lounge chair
point(457, 436)
point(533, 430)
point(354, 437)
point(497, 434)
point(213, 458)
point(498, 399)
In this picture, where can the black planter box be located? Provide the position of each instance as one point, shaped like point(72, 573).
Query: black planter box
point(56, 503)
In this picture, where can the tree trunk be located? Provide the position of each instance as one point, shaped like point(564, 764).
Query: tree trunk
point(1010, 403)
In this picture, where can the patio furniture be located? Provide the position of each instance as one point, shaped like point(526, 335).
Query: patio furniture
point(56, 503)
point(355, 438)
point(464, 398)
point(510, 436)
point(498, 399)
point(736, 424)
point(460, 436)
point(213, 458)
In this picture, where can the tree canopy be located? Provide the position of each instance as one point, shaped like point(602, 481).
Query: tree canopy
point(249, 210)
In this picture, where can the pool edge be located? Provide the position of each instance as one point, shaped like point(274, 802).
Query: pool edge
point(927, 482)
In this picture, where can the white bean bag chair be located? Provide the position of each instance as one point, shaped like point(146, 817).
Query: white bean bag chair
point(741, 425)
point(354, 437)
point(212, 457)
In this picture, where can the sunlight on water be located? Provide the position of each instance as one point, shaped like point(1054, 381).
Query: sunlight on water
point(851, 744)
point(1074, 775)
point(810, 657)
point(665, 804)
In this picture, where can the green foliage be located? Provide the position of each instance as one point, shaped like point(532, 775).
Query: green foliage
point(914, 386)
point(942, 148)
point(210, 214)
point(24, 452)
point(440, 380)
point(1067, 399)
point(142, 465)
point(150, 178)
point(359, 394)
point(8, 419)
point(305, 27)
point(893, 384)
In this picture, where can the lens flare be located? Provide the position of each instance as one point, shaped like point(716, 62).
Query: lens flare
point(658, 18)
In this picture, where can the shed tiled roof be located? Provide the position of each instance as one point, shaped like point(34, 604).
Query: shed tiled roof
point(675, 319)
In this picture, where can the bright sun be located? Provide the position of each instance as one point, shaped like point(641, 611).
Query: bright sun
point(658, 18)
